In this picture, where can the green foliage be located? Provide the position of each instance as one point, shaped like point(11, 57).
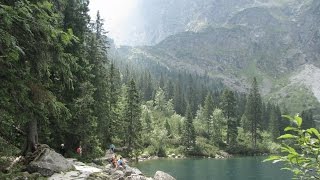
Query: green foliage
point(218, 124)
point(253, 112)
point(131, 114)
point(301, 149)
point(229, 111)
point(205, 148)
point(55, 71)
point(189, 136)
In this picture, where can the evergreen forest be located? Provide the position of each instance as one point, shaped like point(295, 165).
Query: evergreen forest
point(60, 84)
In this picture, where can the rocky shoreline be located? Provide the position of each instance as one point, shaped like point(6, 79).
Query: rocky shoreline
point(92, 172)
point(47, 163)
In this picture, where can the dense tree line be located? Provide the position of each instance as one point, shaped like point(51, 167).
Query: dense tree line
point(221, 118)
point(58, 85)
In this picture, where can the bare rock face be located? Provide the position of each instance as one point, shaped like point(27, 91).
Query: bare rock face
point(49, 162)
point(163, 176)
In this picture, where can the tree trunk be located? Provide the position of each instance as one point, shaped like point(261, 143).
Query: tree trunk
point(32, 137)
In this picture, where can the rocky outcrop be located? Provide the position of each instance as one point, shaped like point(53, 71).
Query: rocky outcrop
point(106, 172)
point(163, 176)
point(47, 162)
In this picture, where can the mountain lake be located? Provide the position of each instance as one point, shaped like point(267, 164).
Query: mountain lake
point(237, 168)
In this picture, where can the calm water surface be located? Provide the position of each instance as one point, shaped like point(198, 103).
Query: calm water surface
point(240, 168)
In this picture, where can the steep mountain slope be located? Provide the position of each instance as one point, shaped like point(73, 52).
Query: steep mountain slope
point(154, 20)
point(278, 44)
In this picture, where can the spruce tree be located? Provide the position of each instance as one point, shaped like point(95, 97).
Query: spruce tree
point(253, 111)
point(114, 91)
point(189, 135)
point(159, 100)
point(131, 117)
point(274, 123)
point(228, 106)
point(207, 112)
point(97, 56)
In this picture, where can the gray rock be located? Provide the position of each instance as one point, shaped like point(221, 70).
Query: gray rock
point(118, 175)
point(136, 177)
point(163, 176)
point(131, 170)
point(99, 176)
point(48, 163)
point(108, 168)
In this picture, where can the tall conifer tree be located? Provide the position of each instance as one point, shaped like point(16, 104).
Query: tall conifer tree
point(228, 106)
point(131, 116)
point(253, 111)
point(189, 135)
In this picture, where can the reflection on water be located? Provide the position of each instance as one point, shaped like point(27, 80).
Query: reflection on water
point(241, 168)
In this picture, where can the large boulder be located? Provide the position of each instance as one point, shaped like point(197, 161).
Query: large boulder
point(49, 162)
point(137, 177)
point(119, 175)
point(99, 176)
point(130, 170)
point(163, 176)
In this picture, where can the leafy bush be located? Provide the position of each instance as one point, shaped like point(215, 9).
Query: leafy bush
point(204, 148)
point(302, 150)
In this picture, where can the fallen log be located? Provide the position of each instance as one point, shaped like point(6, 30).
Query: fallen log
point(14, 162)
point(121, 149)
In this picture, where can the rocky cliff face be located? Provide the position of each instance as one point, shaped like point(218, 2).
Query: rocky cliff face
point(238, 40)
point(155, 20)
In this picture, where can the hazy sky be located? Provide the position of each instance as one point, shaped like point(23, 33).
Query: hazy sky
point(115, 14)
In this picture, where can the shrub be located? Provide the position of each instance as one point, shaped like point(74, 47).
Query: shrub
point(301, 148)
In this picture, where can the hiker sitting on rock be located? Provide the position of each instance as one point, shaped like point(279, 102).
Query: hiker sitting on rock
point(114, 161)
point(121, 163)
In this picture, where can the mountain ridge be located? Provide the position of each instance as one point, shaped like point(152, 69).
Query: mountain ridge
point(267, 42)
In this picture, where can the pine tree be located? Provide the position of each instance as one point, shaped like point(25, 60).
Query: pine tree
point(189, 135)
point(131, 117)
point(114, 86)
point(161, 81)
point(83, 88)
point(253, 111)
point(191, 96)
point(218, 124)
point(207, 112)
point(97, 56)
point(159, 100)
point(274, 123)
point(169, 90)
point(31, 59)
point(148, 86)
point(228, 106)
point(178, 99)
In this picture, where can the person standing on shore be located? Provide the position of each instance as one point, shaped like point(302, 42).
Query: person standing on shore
point(62, 150)
point(79, 150)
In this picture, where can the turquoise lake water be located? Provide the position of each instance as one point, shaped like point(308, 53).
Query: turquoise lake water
point(239, 168)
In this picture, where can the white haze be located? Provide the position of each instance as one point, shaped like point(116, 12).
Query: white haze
point(116, 15)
